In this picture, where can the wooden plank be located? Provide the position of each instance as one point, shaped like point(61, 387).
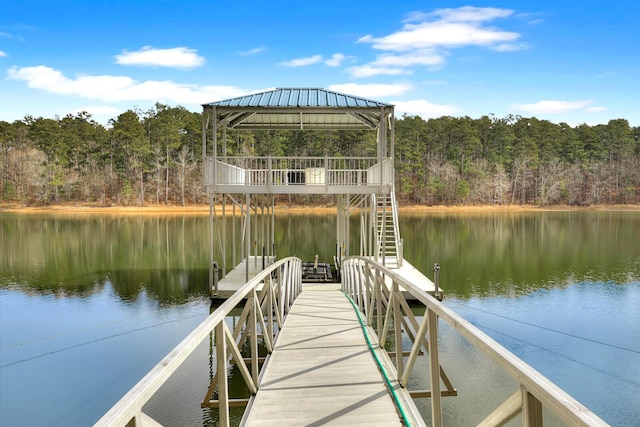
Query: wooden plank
point(321, 370)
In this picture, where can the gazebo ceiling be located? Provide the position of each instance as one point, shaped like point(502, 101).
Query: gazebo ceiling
point(299, 108)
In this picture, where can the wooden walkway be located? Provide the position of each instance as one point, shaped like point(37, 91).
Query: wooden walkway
point(321, 371)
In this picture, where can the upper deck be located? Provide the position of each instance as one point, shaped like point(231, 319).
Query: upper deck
point(297, 109)
point(298, 175)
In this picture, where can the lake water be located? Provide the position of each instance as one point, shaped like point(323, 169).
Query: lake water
point(90, 303)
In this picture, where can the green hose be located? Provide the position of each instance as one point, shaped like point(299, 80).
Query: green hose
point(396, 399)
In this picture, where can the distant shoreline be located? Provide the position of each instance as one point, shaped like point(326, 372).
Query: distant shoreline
point(204, 209)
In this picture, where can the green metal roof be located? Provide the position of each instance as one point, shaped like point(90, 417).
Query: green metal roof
point(299, 98)
point(299, 108)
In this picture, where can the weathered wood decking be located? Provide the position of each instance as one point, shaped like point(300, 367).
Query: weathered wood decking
point(321, 370)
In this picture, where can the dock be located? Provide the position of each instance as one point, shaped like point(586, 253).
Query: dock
point(239, 275)
point(321, 370)
point(235, 279)
point(325, 363)
point(336, 354)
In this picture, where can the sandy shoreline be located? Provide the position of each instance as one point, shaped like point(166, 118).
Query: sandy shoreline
point(204, 209)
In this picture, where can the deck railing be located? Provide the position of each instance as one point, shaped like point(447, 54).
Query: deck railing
point(284, 171)
point(262, 315)
point(376, 290)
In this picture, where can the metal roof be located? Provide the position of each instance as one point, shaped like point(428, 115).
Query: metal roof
point(299, 98)
point(299, 108)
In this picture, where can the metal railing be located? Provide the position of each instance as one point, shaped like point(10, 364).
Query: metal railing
point(279, 171)
point(262, 315)
point(376, 291)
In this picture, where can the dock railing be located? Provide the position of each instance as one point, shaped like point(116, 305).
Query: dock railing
point(376, 291)
point(262, 315)
point(273, 172)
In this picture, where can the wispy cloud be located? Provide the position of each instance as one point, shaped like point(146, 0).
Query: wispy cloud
point(302, 62)
point(451, 28)
point(370, 70)
point(461, 14)
point(426, 39)
point(552, 106)
point(13, 35)
point(108, 88)
point(177, 57)
point(509, 47)
point(595, 109)
point(335, 61)
point(2, 54)
point(396, 64)
point(253, 51)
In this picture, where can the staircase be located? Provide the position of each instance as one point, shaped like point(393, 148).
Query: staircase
point(388, 243)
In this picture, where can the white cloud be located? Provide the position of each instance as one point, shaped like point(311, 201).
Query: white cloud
point(335, 60)
point(551, 106)
point(426, 57)
point(595, 109)
point(108, 88)
point(2, 54)
point(393, 64)
point(440, 34)
point(445, 28)
point(253, 51)
point(302, 62)
point(462, 14)
point(177, 57)
point(370, 70)
point(424, 109)
point(372, 90)
point(427, 38)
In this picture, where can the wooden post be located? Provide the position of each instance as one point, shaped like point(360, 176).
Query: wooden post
point(397, 325)
point(434, 369)
point(531, 410)
point(253, 325)
point(211, 254)
point(247, 236)
point(224, 235)
point(270, 304)
point(223, 381)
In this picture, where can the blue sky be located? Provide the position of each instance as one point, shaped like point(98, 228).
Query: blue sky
point(564, 60)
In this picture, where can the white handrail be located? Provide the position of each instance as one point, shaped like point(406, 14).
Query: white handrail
point(534, 386)
point(269, 170)
point(129, 407)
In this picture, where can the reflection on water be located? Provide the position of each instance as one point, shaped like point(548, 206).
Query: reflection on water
point(491, 254)
point(88, 304)
point(76, 255)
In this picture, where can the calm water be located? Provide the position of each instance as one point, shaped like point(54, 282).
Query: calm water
point(88, 304)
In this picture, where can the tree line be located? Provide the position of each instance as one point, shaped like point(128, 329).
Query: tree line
point(155, 156)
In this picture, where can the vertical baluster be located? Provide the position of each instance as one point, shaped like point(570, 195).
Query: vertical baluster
point(223, 382)
point(434, 369)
